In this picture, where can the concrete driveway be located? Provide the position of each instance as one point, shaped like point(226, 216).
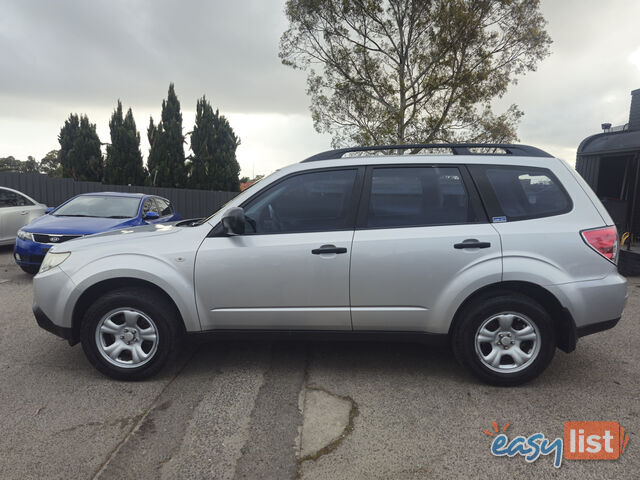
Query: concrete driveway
point(284, 410)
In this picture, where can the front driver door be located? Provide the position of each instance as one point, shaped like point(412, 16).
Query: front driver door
point(290, 270)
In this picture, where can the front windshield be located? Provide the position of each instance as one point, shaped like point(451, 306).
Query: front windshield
point(105, 206)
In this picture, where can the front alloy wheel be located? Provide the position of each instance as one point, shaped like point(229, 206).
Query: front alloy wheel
point(130, 333)
point(127, 338)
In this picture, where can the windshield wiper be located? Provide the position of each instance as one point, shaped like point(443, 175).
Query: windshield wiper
point(63, 215)
point(117, 216)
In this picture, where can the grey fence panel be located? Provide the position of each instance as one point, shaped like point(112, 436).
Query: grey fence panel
point(54, 191)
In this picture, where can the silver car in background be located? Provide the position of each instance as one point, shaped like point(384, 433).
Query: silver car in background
point(16, 210)
point(501, 251)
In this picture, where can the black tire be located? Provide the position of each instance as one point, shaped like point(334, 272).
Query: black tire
point(156, 307)
point(30, 269)
point(484, 309)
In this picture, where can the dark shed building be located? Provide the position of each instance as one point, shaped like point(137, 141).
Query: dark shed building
point(610, 163)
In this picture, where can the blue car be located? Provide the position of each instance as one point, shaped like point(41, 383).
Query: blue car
point(87, 214)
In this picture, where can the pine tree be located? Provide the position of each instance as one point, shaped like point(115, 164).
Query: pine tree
point(166, 155)
point(123, 165)
point(213, 143)
point(80, 155)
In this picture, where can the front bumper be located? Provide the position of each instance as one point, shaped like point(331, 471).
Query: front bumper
point(54, 295)
point(29, 253)
point(46, 323)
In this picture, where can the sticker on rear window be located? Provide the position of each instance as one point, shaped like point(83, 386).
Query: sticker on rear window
point(499, 219)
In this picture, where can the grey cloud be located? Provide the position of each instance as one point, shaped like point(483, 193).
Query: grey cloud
point(101, 50)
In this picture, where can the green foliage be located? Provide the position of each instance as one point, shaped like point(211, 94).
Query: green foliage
point(123, 165)
point(398, 71)
point(10, 164)
point(31, 165)
point(50, 164)
point(166, 155)
point(213, 143)
point(80, 155)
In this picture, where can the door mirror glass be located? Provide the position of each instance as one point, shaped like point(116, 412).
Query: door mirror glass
point(233, 221)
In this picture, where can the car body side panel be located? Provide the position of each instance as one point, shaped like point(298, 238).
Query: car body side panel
point(160, 254)
point(402, 278)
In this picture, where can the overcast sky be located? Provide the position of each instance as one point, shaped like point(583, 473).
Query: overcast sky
point(58, 57)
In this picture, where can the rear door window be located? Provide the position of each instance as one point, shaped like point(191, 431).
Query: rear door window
point(519, 193)
point(418, 196)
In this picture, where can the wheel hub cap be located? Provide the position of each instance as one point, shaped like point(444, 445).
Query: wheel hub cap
point(127, 337)
point(507, 342)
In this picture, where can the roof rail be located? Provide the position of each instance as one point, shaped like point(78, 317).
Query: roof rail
point(456, 149)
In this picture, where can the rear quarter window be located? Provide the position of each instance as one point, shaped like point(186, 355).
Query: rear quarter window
point(520, 193)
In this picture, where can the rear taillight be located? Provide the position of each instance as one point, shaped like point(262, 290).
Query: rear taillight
point(603, 240)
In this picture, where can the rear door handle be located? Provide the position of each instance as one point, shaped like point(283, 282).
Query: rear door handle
point(471, 243)
point(328, 249)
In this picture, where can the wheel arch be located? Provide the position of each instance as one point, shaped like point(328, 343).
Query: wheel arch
point(564, 324)
point(100, 288)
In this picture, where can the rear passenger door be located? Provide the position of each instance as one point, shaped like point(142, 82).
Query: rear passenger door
point(422, 240)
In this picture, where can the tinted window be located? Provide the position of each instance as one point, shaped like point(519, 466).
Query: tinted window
point(163, 207)
point(303, 203)
point(402, 197)
point(12, 199)
point(526, 193)
point(149, 206)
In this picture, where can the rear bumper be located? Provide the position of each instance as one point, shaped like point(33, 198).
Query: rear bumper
point(594, 305)
point(596, 327)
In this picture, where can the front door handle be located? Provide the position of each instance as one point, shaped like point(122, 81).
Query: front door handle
point(471, 243)
point(328, 249)
point(24, 213)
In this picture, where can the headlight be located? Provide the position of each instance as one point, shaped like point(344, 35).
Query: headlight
point(22, 235)
point(53, 259)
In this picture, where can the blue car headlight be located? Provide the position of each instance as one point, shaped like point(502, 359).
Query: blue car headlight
point(22, 235)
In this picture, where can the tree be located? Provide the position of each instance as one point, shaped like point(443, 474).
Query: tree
point(10, 164)
point(213, 143)
point(413, 71)
point(80, 155)
point(166, 155)
point(50, 164)
point(123, 165)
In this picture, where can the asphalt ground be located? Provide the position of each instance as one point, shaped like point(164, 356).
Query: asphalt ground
point(280, 410)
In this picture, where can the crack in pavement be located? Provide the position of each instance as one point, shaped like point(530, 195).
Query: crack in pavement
point(275, 418)
point(348, 429)
point(111, 467)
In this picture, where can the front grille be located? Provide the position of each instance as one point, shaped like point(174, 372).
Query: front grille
point(53, 238)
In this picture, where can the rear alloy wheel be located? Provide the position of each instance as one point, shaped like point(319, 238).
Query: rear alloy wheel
point(129, 334)
point(505, 340)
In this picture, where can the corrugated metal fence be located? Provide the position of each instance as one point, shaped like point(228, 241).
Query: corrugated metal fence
point(53, 191)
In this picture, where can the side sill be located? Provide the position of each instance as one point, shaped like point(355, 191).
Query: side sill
point(322, 335)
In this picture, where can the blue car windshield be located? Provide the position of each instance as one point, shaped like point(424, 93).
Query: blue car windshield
point(103, 206)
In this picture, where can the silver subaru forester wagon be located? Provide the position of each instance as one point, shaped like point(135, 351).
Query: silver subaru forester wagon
point(503, 251)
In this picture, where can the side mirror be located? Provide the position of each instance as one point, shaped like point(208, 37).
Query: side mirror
point(151, 216)
point(233, 221)
point(48, 210)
